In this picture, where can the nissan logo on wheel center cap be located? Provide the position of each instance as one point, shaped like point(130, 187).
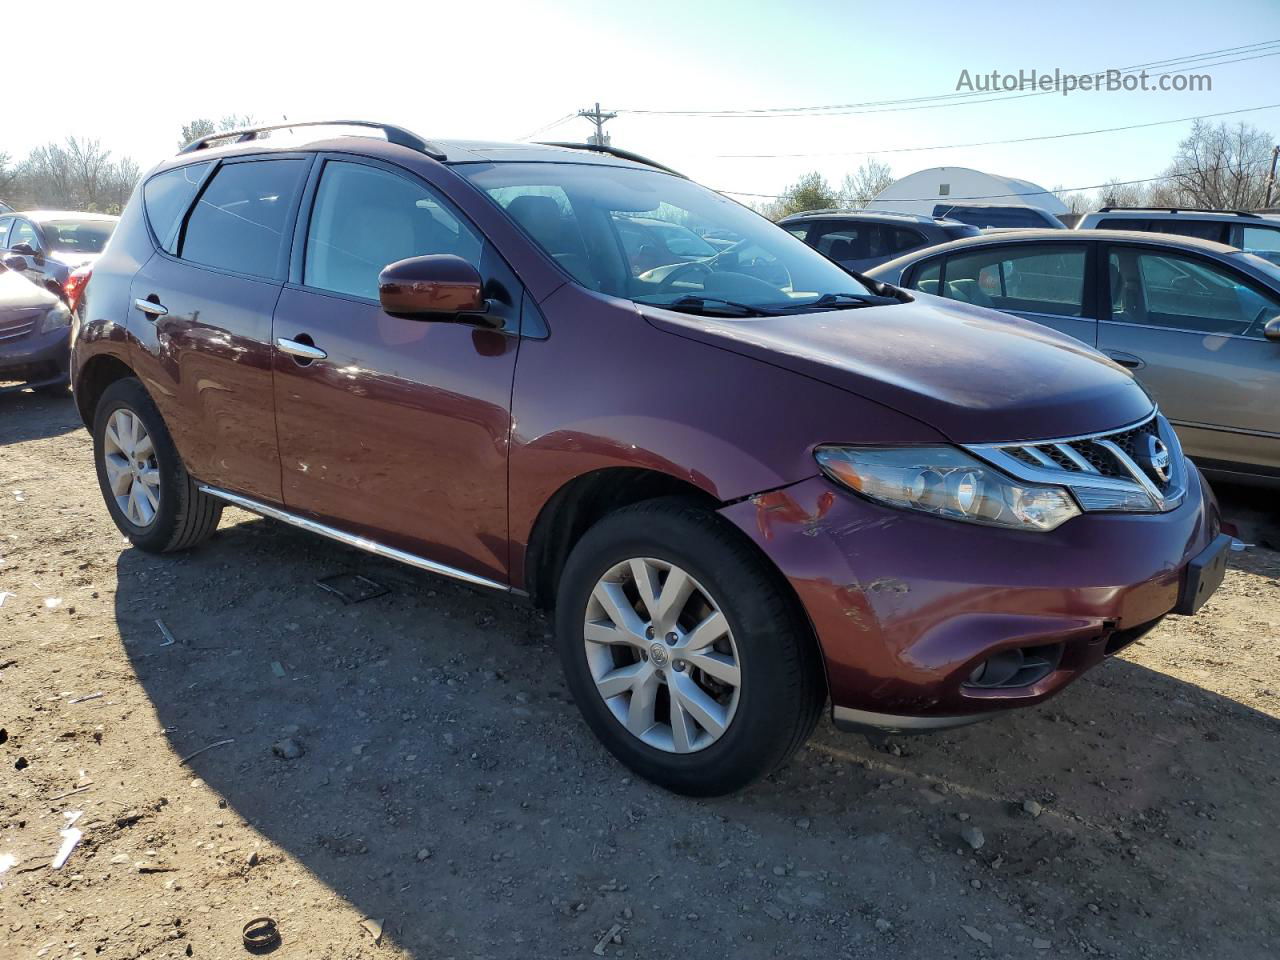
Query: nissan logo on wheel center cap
point(1156, 458)
point(658, 654)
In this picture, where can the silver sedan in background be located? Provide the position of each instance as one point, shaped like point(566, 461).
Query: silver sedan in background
point(1197, 322)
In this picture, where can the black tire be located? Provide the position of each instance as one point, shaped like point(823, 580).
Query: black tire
point(782, 689)
point(184, 516)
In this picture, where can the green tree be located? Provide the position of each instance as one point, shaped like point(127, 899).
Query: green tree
point(810, 192)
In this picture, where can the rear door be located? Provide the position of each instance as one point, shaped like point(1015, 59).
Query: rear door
point(1048, 283)
point(399, 432)
point(1191, 328)
point(202, 310)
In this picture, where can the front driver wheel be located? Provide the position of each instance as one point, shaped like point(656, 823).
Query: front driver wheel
point(148, 492)
point(686, 653)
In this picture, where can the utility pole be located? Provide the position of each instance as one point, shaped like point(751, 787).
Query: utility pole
point(599, 138)
point(1271, 177)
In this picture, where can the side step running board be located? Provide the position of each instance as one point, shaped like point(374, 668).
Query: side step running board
point(351, 540)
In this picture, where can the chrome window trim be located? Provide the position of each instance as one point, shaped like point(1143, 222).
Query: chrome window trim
point(1265, 434)
point(1052, 316)
point(1196, 333)
point(351, 540)
point(1081, 481)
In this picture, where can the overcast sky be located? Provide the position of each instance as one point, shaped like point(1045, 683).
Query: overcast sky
point(131, 73)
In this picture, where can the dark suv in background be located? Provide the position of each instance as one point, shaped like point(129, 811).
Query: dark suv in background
point(862, 239)
point(745, 480)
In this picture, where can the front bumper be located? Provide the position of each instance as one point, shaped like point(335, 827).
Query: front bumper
point(905, 606)
point(37, 358)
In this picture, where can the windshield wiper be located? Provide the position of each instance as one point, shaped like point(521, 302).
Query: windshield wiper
point(843, 301)
point(697, 304)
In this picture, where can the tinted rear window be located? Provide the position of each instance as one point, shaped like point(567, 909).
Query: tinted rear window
point(239, 221)
point(77, 236)
point(1204, 229)
point(166, 199)
point(995, 216)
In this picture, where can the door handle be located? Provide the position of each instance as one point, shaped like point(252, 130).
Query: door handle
point(1127, 360)
point(295, 348)
point(151, 308)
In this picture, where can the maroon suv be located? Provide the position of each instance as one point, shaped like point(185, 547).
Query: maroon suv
point(746, 479)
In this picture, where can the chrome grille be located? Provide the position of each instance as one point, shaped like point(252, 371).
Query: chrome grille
point(1114, 470)
point(16, 331)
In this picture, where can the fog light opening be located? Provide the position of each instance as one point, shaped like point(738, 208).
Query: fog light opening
point(1016, 667)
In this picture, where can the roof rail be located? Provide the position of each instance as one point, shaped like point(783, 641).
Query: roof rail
point(394, 134)
point(1238, 213)
point(613, 152)
point(807, 213)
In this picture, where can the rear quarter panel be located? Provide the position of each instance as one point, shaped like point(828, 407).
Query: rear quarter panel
point(105, 307)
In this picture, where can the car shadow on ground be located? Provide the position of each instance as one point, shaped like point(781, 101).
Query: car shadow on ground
point(26, 415)
point(448, 786)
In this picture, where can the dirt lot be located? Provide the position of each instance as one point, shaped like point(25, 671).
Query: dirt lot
point(448, 790)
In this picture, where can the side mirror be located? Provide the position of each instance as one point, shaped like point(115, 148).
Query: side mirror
point(23, 248)
point(436, 287)
point(1271, 329)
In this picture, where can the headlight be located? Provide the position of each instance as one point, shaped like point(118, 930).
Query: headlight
point(58, 316)
point(948, 483)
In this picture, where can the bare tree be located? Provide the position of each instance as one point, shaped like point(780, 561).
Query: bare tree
point(1221, 167)
point(77, 174)
point(203, 126)
point(8, 176)
point(866, 183)
point(1076, 201)
point(122, 178)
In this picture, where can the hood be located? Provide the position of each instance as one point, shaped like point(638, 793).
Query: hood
point(975, 375)
point(19, 293)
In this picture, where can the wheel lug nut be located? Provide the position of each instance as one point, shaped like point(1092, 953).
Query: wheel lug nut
point(671, 638)
point(648, 633)
point(679, 666)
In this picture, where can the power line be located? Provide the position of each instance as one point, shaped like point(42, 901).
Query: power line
point(1003, 196)
point(958, 98)
point(989, 143)
point(546, 127)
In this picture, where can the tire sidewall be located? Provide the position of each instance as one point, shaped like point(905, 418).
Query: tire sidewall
point(736, 757)
point(130, 395)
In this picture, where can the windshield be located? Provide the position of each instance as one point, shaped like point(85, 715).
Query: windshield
point(659, 239)
point(78, 236)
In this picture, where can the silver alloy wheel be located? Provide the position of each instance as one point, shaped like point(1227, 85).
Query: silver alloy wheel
point(133, 474)
point(662, 655)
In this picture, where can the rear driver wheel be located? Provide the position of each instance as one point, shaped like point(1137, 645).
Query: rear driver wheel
point(148, 492)
point(685, 651)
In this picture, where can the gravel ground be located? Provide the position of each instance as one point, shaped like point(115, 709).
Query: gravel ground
point(411, 766)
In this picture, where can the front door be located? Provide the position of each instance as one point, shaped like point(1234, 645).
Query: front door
point(1191, 329)
point(399, 432)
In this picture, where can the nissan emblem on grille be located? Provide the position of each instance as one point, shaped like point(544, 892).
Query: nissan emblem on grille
point(1154, 457)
